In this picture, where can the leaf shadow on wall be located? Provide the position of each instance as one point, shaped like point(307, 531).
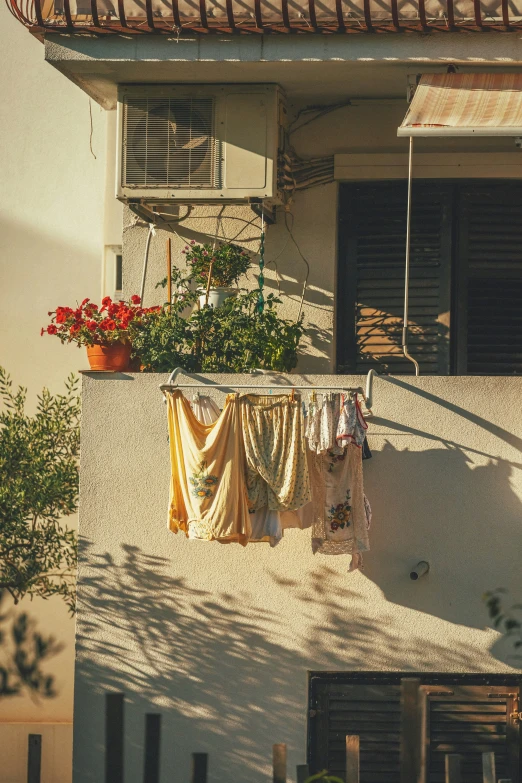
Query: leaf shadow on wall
point(24, 651)
point(225, 670)
point(463, 518)
point(453, 505)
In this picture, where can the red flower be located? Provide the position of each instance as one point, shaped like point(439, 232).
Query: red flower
point(110, 325)
point(84, 302)
point(60, 316)
point(51, 329)
point(135, 299)
point(112, 309)
point(91, 325)
point(106, 301)
point(75, 328)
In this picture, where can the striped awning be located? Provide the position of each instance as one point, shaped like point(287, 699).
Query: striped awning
point(471, 104)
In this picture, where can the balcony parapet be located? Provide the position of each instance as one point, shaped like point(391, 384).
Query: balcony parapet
point(251, 17)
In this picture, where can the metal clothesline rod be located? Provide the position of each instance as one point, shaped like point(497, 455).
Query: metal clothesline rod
point(288, 387)
point(172, 385)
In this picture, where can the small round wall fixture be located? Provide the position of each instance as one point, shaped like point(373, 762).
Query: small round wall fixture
point(421, 569)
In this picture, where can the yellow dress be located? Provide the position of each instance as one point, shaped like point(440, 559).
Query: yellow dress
point(208, 498)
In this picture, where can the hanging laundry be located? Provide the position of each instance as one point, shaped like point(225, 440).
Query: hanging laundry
point(208, 498)
point(338, 507)
point(277, 471)
point(269, 526)
point(352, 426)
point(313, 423)
point(205, 409)
point(322, 422)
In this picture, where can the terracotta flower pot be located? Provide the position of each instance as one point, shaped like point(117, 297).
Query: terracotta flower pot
point(109, 358)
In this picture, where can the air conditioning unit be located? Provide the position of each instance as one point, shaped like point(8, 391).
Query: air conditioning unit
point(199, 143)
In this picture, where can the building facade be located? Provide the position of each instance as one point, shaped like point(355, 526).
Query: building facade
point(237, 647)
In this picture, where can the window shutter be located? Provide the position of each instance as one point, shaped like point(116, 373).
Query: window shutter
point(472, 720)
point(370, 290)
point(373, 712)
point(489, 282)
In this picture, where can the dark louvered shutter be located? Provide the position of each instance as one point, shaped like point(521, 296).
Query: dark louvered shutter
point(370, 290)
point(373, 712)
point(489, 309)
point(460, 717)
point(472, 720)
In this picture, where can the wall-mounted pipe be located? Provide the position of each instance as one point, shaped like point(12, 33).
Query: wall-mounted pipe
point(407, 266)
point(421, 569)
point(368, 397)
point(146, 261)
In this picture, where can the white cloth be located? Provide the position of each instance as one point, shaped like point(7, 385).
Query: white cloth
point(322, 422)
point(351, 427)
point(205, 409)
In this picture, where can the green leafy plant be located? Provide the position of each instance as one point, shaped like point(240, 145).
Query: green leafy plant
point(38, 487)
point(236, 338)
point(225, 263)
point(231, 338)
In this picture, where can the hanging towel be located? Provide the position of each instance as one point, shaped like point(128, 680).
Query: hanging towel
point(340, 524)
point(207, 490)
point(277, 472)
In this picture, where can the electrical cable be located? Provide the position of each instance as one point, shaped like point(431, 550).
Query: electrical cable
point(290, 231)
point(91, 131)
point(322, 111)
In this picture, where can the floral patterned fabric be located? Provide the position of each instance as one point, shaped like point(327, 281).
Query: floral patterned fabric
point(334, 420)
point(208, 497)
point(277, 471)
point(339, 522)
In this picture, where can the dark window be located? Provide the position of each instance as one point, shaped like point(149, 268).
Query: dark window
point(465, 714)
point(119, 271)
point(465, 308)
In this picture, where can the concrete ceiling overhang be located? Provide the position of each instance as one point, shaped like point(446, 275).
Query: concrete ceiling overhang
point(312, 67)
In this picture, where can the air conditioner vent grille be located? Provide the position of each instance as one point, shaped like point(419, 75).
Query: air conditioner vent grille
point(170, 143)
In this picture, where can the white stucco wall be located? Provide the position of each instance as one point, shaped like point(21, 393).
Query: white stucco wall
point(51, 249)
point(220, 638)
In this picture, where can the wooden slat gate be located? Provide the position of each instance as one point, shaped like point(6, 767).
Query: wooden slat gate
point(460, 717)
point(469, 721)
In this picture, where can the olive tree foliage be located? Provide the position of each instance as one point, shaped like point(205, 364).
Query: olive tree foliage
point(506, 619)
point(38, 488)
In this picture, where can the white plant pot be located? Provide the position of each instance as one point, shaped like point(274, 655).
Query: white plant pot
point(216, 296)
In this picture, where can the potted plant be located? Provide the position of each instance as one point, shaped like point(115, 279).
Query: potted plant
point(234, 337)
point(105, 331)
point(216, 269)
